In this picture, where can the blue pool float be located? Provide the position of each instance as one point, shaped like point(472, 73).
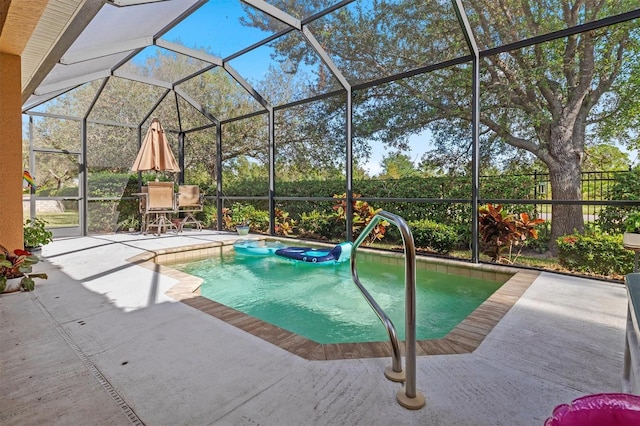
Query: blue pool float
point(257, 248)
point(338, 254)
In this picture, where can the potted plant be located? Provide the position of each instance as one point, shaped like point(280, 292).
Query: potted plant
point(35, 234)
point(242, 229)
point(241, 215)
point(15, 270)
point(631, 236)
point(238, 216)
point(132, 223)
point(241, 223)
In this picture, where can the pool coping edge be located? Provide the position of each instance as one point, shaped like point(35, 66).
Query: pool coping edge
point(464, 338)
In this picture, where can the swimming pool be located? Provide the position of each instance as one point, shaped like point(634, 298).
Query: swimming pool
point(322, 304)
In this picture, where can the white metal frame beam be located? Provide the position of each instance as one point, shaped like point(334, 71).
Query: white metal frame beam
point(84, 16)
point(196, 54)
point(253, 92)
point(315, 44)
point(72, 82)
point(142, 79)
point(196, 105)
point(90, 53)
point(275, 13)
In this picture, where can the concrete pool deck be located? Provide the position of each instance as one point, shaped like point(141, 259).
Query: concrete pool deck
point(101, 343)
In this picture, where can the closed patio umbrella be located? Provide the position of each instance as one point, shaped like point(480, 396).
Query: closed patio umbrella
point(155, 152)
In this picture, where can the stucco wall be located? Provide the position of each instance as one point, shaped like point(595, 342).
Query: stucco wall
point(11, 153)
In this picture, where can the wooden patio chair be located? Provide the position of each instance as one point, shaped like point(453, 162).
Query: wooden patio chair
point(142, 206)
point(190, 201)
point(160, 204)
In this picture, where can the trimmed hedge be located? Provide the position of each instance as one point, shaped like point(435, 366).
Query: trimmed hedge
point(438, 237)
point(457, 215)
point(626, 187)
point(516, 187)
point(428, 235)
point(313, 218)
point(595, 254)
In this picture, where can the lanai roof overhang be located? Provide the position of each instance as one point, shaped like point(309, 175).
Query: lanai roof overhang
point(117, 31)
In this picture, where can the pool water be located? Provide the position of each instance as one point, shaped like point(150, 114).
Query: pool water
point(321, 302)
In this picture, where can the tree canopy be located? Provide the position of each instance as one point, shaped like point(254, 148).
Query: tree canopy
point(397, 165)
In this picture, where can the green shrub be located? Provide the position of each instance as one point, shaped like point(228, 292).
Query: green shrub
point(208, 216)
point(318, 225)
point(455, 214)
point(541, 244)
point(597, 253)
point(109, 184)
point(259, 220)
point(435, 236)
point(626, 187)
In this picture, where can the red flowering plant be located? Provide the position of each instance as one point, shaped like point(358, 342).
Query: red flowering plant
point(18, 264)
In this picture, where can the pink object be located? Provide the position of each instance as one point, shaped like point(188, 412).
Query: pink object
point(610, 409)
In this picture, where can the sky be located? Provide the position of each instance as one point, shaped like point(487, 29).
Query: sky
point(216, 27)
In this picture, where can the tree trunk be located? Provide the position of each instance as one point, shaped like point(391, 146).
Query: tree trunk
point(565, 186)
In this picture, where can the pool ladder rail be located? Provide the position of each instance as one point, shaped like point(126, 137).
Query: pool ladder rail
point(408, 396)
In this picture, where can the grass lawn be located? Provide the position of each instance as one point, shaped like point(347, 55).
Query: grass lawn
point(58, 219)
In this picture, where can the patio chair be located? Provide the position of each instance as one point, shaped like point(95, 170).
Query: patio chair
point(142, 206)
point(190, 201)
point(160, 204)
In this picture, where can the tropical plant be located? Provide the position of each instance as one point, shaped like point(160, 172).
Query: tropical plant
point(284, 224)
point(18, 264)
point(36, 234)
point(363, 213)
point(502, 231)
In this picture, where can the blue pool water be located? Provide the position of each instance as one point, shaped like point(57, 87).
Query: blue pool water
point(323, 304)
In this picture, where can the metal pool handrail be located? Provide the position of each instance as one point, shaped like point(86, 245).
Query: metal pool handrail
point(408, 397)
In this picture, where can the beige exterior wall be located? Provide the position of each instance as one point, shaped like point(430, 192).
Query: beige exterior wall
point(18, 20)
point(11, 236)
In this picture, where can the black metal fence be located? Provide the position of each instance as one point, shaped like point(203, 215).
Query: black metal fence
point(596, 188)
